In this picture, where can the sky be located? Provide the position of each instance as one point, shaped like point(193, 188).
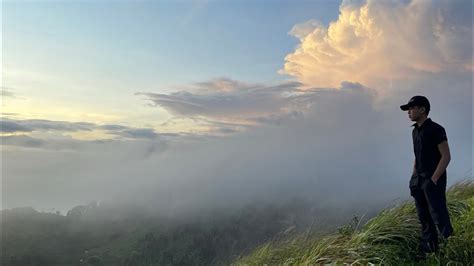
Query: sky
point(182, 105)
point(93, 56)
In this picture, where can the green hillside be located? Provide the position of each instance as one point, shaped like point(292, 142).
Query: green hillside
point(257, 234)
point(389, 238)
point(116, 234)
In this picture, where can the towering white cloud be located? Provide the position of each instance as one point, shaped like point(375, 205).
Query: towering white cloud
point(383, 40)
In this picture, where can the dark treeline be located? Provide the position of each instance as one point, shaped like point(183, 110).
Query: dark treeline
point(108, 234)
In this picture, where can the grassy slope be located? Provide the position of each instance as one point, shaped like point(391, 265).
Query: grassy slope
point(390, 238)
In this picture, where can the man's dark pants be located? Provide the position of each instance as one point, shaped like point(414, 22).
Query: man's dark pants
point(430, 202)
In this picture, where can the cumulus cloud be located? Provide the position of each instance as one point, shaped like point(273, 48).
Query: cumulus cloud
point(383, 40)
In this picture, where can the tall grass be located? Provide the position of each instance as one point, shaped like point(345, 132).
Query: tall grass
point(390, 238)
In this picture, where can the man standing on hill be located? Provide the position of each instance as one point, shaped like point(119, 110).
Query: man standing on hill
point(428, 181)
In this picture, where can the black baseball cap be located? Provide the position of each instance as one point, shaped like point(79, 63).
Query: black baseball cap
point(417, 100)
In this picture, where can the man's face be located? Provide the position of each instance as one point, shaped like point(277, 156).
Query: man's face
point(415, 112)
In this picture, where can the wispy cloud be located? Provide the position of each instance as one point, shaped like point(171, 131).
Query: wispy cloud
point(68, 144)
point(7, 92)
point(9, 125)
point(138, 133)
point(235, 103)
point(9, 114)
point(58, 141)
point(22, 141)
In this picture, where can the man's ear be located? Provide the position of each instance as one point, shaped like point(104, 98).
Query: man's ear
point(423, 109)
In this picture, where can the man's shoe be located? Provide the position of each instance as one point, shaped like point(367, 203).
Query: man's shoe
point(443, 241)
point(447, 232)
point(420, 256)
point(429, 247)
point(420, 253)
